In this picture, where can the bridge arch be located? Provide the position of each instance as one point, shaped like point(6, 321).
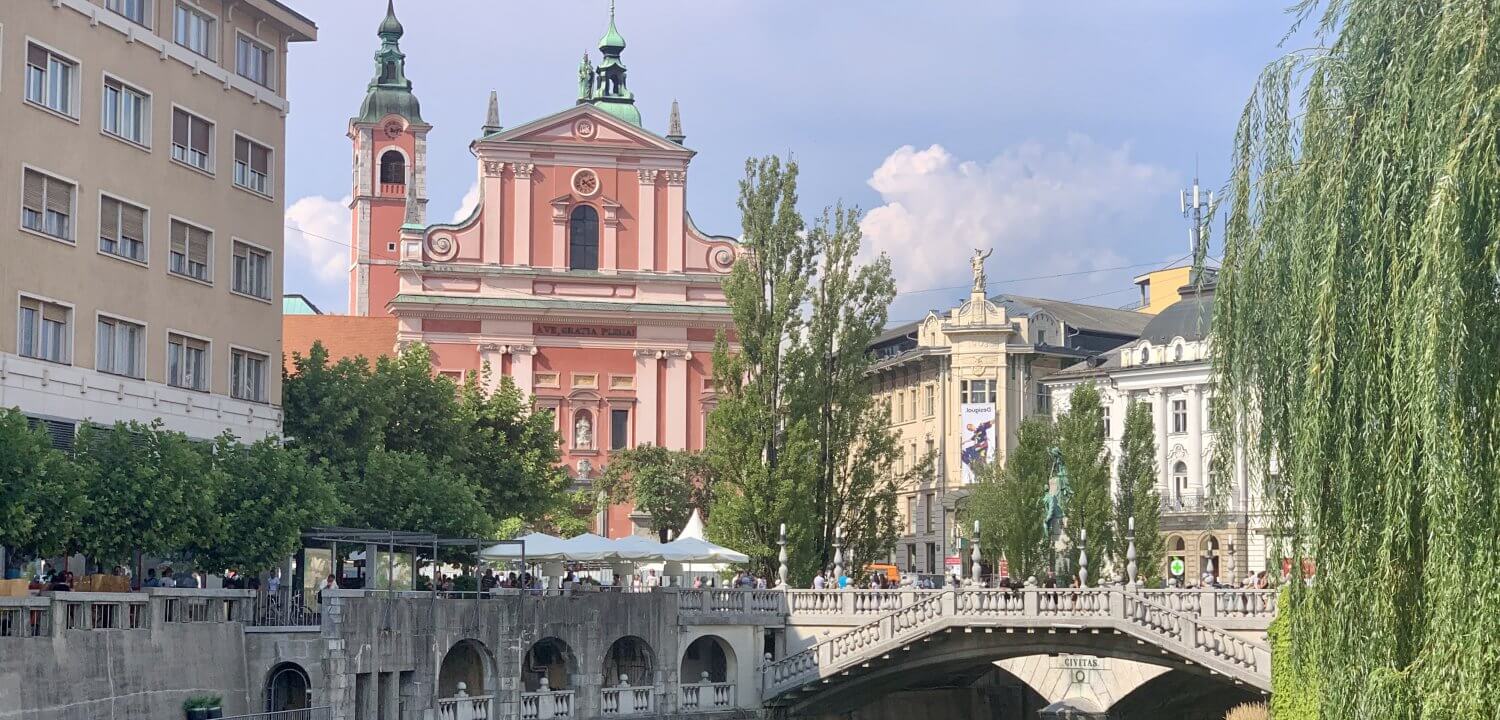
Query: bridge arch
point(552, 659)
point(467, 663)
point(710, 657)
point(629, 661)
point(1176, 693)
point(287, 687)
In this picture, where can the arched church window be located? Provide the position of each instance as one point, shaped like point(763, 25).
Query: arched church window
point(392, 168)
point(583, 238)
point(1145, 355)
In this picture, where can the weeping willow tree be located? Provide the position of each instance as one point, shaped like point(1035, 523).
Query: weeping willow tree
point(1357, 346)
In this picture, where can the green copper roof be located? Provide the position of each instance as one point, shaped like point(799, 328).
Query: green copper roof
point(604, 86)
point(625, 110)
point(612, 40)
point(389, 92)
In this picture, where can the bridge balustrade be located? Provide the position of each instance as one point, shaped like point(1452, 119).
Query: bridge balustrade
point(707, 696)
point(465, 707)
point(626, 699)
point(546, 704)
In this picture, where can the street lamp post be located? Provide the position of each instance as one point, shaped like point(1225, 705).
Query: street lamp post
point(781, 558)
point(1130, 580)
point(974, 569)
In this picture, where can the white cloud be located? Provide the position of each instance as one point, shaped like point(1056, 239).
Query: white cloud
point(466, 206)
point(1042, 210)
point(317, 250)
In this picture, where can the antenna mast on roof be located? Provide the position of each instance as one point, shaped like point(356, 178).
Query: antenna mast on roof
point(1197, 238)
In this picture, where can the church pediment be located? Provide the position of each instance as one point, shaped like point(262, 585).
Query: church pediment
point(586, 125)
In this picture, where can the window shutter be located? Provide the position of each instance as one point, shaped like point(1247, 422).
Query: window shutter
point(34, 196)
point(59, 197)
point(179, 238)
point(200, 135)
point(260, 160)
point(180, 124)
point(198, 245)
point(242, 150)
point(133, 223)
point(109, 218)
point(37, 56)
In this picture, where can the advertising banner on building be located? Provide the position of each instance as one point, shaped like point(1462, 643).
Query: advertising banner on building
point(977, 440)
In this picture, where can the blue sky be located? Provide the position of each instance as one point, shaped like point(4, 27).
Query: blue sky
point(1056, 133)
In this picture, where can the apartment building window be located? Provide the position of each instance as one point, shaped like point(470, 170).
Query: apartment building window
point(896, 406)
point(1104, 421)
point(911, 515)
point(936, 472)
point(927, 514)
point(911, 403)
point(191, 248)
point(1179, 416)
point(47, 205)
point(187, 362)
point(126, 112)
point(619, 429)
point(122, 229)
point(1208, 415)
point(132, 10)
point(194, 30)
point(931, 401)
point(247, 375)
point(252, 270)
point(911, 558)
point(51, 80)
point(253, 61)
point(192, 140)
point(977, 391)
point(44, 330)
point(1043, 399)
point(252, 165)
point(118, 344)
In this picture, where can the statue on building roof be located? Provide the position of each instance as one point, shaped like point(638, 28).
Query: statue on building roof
point(585, 79)
point(977, 264)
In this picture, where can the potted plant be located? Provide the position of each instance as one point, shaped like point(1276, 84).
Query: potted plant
point(213, 705)
point(194, 708)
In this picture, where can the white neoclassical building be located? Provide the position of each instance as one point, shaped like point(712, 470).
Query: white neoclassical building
point(1169, 367)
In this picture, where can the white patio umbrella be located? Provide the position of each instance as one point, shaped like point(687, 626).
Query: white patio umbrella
point(539, 546)
point(588, 547)
point(691, 542)
point(639, 549)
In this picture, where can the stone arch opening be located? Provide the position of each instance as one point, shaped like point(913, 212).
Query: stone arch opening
point(288, 688)
point(549, 661)
point(583, 238)
point(465, 671)
point(709, 657)
point(392, 167)
point(1209, 548)
point(629, 661)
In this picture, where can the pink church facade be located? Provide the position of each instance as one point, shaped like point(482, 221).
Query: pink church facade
point(579, 274)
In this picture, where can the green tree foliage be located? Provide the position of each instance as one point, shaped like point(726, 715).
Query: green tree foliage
point(270, 495)
point(1080, 436)
point(42, 493)
point(150, 490)
point(668, 484)
point(408, 491)
point(1357, 347)
point(512, 452)
point(795, 437)
point(1294, 684)
point(1138, 497)
point(1007, 502)
point(486, 447)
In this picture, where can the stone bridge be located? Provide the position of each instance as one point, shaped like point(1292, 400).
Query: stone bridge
point(590, 653)
point(865, 643)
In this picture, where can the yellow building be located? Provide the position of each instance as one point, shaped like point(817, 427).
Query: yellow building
point(959, 382)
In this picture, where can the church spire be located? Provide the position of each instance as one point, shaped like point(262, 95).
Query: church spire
point(389, 92)
point(492, 116)
point(674, 125)
point(609, 92)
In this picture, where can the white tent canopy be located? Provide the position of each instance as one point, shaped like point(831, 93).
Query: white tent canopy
point(588, 547)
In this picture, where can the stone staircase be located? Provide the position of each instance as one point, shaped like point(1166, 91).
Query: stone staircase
point(1174, 622)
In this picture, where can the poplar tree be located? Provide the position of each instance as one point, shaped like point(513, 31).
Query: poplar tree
point(796, 437)
point(1357, 350)
point(1080, 436)
point(1006, 499)
point(1138, 497)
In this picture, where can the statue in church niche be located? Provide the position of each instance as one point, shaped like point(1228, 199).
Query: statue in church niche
point(977, 263)
point(585, 78)
point(583, 432)
point(584, 469)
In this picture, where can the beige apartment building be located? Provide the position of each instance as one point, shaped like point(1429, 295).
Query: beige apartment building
point(141, 203)
point(959, 382)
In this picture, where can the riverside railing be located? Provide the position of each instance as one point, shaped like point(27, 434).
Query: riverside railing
point(52, 613)
point(707, 696)
point(317, 713)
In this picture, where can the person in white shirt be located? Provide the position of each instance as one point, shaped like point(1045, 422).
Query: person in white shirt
point(819, 582)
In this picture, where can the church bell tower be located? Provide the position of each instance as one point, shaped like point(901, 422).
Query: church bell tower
point(390, 160)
